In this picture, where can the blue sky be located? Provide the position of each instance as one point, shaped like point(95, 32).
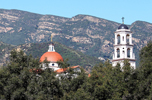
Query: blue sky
point(114, 10)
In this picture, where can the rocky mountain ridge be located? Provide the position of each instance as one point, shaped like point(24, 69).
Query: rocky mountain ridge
point(91, 35)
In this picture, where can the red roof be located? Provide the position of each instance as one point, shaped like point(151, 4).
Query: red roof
point(64, 69)
point(89, 75)
point(51, 56)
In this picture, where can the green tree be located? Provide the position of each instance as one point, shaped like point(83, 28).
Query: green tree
point(20, 79)
point(144, 74)
point(15, 77)
point(107, 82)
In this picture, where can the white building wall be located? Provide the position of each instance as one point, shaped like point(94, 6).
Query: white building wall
point(50, 65)
point(123, 47)
point(53, 64)
point(132, 63)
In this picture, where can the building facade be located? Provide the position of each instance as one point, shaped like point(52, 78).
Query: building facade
point(123, 47)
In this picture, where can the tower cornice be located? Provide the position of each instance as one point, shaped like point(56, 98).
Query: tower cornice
point(123, 45)
point(123, 31)
point(123, 59)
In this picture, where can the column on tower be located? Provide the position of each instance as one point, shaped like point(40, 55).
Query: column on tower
point(125, 52)
point(130, 39)
point(115, 52)
point(121, 54)
point(131, 53)
point(116, 40)
point(123, 38)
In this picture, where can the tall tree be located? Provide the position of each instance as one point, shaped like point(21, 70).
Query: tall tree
point(144, 74)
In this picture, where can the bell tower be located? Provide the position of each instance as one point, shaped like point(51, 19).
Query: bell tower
point(123, 47)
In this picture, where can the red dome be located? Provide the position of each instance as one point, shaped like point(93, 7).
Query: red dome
point(51, 56)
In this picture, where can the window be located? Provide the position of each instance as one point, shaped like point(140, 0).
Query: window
point(118, 39)
point(118, 53)
point(127, 40)
point(128, 52)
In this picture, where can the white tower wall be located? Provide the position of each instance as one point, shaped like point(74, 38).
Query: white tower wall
point(123, 47)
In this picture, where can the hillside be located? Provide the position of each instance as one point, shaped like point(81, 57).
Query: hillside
point(91, 35)
point(4, 52)
point(38, 49)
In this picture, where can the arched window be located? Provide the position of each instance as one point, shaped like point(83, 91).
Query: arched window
point(118, 53)
point(128, 52)
point(127, 38)
point(123, 38)
point(118, 39)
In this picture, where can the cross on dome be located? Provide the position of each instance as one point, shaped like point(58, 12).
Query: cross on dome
point(123, 20)
point(51, 46)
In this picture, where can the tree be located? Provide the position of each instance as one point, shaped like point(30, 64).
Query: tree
point(19, 79)
point(144, 74)
point(17, 82)
point(71, 80)
point(15, 76)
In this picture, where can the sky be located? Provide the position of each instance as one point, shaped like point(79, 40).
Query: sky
point(113, 10)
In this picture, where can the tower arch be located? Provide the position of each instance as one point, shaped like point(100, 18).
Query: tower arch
point(118, 52)
point(118, 39)
point(127, 38)
point(128, 52)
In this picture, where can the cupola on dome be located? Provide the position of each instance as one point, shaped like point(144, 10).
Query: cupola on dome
point(51, 57)
point(123, 26)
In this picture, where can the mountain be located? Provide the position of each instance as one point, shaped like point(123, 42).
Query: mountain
point(4, 54)
point(91, 35)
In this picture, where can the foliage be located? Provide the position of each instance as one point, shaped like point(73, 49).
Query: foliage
point(17, 82)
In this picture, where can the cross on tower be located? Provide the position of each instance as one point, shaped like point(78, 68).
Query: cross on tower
point(122, 20)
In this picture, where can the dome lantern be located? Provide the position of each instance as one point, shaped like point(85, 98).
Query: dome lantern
point(123, 26)
point(51, 46)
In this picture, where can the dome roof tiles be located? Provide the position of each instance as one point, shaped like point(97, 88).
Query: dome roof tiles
point(51, 56)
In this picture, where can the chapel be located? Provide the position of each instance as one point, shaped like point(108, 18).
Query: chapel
point(53, 57)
